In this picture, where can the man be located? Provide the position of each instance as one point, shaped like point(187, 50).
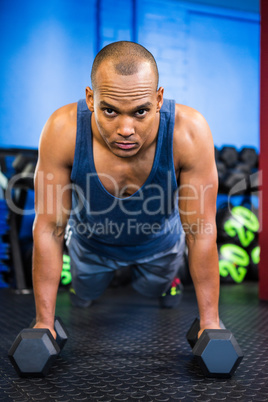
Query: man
point(123, 167)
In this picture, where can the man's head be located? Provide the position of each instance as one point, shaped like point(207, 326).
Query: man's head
point(126, 58)
point(124, 100)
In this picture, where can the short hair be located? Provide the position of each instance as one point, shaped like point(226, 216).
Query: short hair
point(126, 57)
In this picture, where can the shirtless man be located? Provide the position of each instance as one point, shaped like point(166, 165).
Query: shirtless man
point(126, 169)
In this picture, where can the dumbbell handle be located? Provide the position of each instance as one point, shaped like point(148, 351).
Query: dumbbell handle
point(61, 332)
point(192, 335)
point(216, 334)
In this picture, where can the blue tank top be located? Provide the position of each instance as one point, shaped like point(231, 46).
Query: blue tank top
point(134, 227)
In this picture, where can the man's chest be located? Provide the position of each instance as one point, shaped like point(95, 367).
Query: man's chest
point(122, 178)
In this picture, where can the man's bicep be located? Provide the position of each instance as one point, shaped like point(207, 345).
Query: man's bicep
point(52, 184)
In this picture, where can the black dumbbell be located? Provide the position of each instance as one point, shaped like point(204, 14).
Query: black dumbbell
point(235, 182)
point(249, 156)
point(35, 349)
point(216, 351)
point(229, 156)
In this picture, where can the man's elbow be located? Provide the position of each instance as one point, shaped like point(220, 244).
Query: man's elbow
point(48, 228)
point(204, 231)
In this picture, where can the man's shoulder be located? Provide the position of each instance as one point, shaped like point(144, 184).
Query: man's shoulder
point(59, 133)
point(64, 117)
point(189, 118)
point(191, 132)
point(190, 125)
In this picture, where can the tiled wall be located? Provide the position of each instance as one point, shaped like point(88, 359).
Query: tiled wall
point(208, 58)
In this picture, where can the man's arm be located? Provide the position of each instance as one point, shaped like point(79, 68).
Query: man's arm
point(52, 206)
point(197, 205)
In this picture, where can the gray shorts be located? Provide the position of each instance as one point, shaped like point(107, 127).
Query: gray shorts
point(151, 276)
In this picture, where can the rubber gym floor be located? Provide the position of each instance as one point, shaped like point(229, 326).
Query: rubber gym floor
point(125, 348)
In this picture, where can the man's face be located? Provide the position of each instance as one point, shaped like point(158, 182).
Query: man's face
point(126, 108)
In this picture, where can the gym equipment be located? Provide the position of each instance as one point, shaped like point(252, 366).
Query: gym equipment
point(19, 165)
point(249, 156)
point(229, 155)
point(235, 182)
point(4, 245)
point(237, 241)
point(25, 162)
point(254, 254)
point(243, 167)
point(216, 153)
point(34, 350)
point(216, 351)
point(237, 225)
point(222, 170)
point(66, 276)
point(254, 180)
point(25, 181)
point(234, 263)
point(237, 171)
point(223, 214)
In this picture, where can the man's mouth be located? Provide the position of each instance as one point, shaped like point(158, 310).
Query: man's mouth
point(125, 145)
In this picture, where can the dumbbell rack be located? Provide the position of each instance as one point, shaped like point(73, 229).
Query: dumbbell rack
point(4, 246)
point(8, 228)
point(18, 197)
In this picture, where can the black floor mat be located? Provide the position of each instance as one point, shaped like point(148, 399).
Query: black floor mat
point(125, 348)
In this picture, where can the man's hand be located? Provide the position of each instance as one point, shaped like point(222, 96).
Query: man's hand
point(210, 326)
point(51, 329)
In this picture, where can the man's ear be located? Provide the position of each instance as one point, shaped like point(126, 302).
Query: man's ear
point(160, 98)
point(90, 99)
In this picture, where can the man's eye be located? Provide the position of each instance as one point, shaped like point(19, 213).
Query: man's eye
point(141, 112)
point(109, 112)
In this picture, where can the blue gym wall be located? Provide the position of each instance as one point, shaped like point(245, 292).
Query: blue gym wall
point(207, 52)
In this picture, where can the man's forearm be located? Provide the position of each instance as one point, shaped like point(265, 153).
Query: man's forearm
point(47, 265)
point(204, 270)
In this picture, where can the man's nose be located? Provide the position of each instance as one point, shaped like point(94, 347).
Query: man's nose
point(125, 126)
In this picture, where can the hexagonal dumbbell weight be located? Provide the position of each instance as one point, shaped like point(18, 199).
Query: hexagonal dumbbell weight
point(216, 350)
point(34, 349)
